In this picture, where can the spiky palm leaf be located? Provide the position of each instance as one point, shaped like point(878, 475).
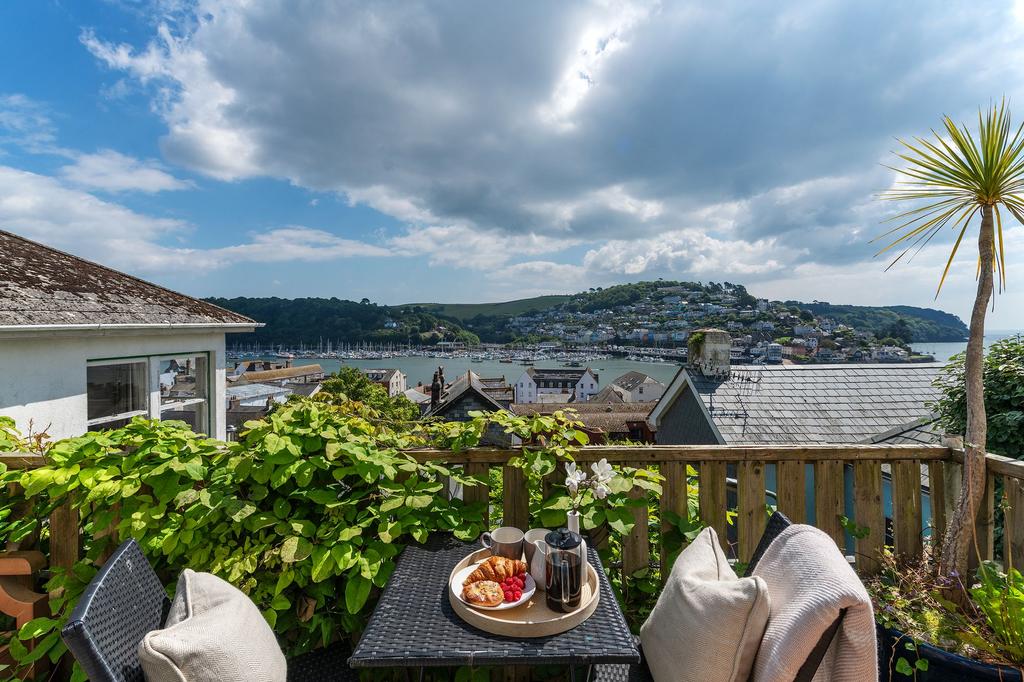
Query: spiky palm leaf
point(955, 176)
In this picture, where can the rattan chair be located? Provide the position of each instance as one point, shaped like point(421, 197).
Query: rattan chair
point(126, 600)
point(639, 673)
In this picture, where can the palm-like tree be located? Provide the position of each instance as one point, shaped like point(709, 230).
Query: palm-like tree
point(955, 178)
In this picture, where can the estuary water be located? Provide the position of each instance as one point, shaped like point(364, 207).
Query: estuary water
point(944, 351)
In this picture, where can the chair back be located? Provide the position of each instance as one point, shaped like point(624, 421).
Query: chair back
point(122, 603)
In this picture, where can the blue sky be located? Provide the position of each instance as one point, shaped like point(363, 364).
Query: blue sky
point(467, 152)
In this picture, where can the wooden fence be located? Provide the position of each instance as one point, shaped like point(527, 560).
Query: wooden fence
point(742, 470)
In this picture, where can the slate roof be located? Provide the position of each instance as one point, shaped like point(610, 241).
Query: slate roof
point(846, 403)
point(381, 375)
point(559, 373)
point(924, 431)
point(46, 287)
point(608, 394)
point(631, 380)
point(471, 381)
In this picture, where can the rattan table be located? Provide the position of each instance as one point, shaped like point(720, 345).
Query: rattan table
point(414, 626)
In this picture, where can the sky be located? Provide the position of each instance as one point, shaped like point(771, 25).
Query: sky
point(467, 152)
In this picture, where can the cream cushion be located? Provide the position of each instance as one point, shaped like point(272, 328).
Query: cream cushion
point(707, 623)
point(213, 633)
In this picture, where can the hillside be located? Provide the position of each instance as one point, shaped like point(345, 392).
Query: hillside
point(312, 320)
point(466, 311)
point(924, 324)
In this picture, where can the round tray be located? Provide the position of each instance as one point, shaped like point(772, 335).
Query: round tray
point(533, 618)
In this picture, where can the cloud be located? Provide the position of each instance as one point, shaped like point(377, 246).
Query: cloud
point(688, 137)
point(112, 171)
point(44, 209)
point(26, 123)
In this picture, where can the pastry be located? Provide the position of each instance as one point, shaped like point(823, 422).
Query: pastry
point(496, 569)
point(483, 593)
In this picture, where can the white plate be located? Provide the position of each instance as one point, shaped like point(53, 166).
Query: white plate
point(460, 576)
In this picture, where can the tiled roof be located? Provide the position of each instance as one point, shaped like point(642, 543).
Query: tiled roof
point(608, 394)
point(924, 431)
point(382, 375)
point(41, 286)
point(816, 403)
point(470, 381)
point(559, 373)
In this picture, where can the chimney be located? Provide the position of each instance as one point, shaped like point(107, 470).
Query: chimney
point(440, 375)
point(234, 402)
point(435, 391)
point(708, 351)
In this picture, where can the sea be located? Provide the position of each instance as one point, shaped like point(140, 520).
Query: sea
point(944, 351)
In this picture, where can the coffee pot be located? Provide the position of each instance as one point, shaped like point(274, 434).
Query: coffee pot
point(565, 565)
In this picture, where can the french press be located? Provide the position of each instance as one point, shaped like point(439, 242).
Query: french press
point(565, 566)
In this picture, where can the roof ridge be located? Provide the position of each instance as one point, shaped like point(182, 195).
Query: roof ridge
point(26, 240)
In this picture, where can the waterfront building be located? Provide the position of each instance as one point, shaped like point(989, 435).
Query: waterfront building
point(561, 385)
point(84, 347)
point(631, 387)
point(603, 422)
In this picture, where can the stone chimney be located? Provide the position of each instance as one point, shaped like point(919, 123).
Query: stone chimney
point(708, 351)
point(234, 402)
point(435, 391)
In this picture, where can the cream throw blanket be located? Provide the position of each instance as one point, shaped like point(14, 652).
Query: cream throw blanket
point(810, 582)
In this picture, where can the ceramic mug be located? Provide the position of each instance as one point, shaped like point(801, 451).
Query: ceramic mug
point(534, 559)
point(506, 541)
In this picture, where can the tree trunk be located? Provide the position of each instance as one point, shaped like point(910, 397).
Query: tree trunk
point(960, 531)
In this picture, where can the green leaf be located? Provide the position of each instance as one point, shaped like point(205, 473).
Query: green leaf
point(295, 549)
point(323, 564)
point(903, 668)
point(36, 627)
point(356, 592)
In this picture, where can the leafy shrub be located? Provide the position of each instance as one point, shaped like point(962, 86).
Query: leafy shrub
point(1004, 396)
point(306, 513)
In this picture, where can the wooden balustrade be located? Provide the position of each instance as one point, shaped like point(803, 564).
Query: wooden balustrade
point(732, 482)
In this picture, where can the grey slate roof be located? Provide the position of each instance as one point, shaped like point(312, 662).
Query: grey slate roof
point(43, 286)
point(631, 380)
point(816, 403)
point(924, 431)
point(471, 381)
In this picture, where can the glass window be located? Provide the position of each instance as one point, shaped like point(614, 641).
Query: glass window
point(116, 392)
point(184, 390)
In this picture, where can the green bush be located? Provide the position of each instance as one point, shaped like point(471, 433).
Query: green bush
point(305, 513)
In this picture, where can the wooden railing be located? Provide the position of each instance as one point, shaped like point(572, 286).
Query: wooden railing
point(740, 472)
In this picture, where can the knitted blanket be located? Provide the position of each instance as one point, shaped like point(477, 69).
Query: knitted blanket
point(810, 583)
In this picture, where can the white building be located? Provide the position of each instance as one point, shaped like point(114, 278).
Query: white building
point(539, 385)
point(637, 387)
point(84, 347)
point(391, 379)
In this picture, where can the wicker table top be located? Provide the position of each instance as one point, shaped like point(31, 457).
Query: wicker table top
point(415, 626)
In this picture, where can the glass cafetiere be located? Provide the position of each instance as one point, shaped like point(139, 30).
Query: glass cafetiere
point(565, 564)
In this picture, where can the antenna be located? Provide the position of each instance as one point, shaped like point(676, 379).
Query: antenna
point(746, 383)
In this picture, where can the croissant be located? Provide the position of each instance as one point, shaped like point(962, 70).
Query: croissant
point(496, 568)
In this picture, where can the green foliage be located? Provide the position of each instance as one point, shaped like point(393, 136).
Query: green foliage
point(1004, 397)
point(306, 513)
point(1000, 597)
point(910, 597)
point(910, 323)
point(348, 383)
point(955, 176)
point(310, 320)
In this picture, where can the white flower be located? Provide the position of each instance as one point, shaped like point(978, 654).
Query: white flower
point(600, 491)
point(574, 478)
point(602, 471)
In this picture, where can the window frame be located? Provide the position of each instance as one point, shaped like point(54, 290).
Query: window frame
point(108, 362)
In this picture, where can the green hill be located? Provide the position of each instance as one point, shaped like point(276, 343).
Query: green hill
point(466, 311)
point(924, 324)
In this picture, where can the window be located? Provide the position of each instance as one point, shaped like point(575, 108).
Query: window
point(641, 390)
point(116, 392)
point(184, 390)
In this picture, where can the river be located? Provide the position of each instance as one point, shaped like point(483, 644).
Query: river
point(944, 351)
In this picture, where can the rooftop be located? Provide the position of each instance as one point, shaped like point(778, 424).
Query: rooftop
point(253, 377)
point(812, 403)
point(41, 286)
point(631, 380)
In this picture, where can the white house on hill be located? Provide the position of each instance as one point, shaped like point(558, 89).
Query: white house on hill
point(637, 387)
point(84, 347)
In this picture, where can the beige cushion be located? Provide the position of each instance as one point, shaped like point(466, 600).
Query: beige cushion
point(707, 624)
point(214, 633)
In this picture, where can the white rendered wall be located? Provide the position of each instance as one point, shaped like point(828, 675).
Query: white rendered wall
point(43, 377)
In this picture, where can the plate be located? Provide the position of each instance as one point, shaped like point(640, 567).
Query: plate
point(459, 577)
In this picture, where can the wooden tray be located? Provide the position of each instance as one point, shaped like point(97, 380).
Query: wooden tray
point(530, 619)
